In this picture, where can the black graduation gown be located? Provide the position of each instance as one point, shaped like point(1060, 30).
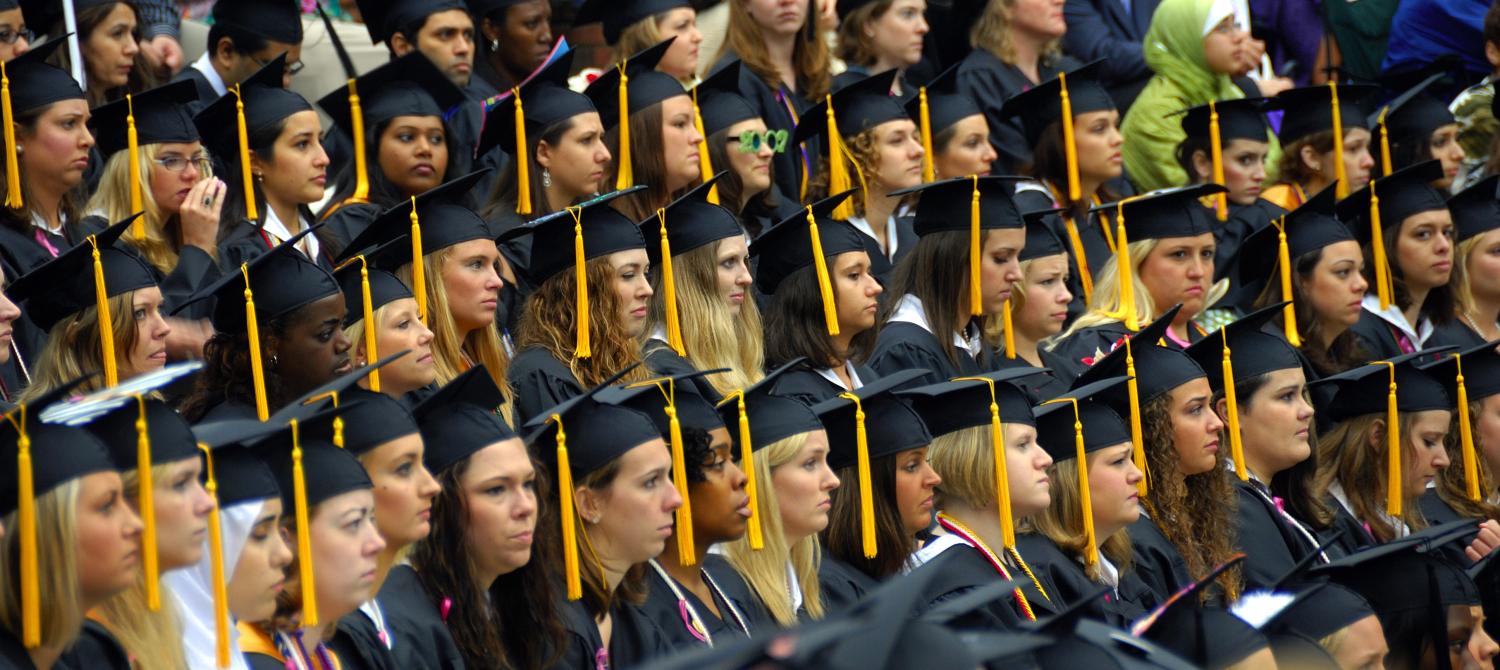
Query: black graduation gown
point(634, 639)
point(732, 585)
point(421, 638)
point(1228, 238)
point(990, 82)
point(13, 654)
point(841, 584)
point(341, 226)
point(1076, 353)
point(1354, 537)
point(1156, 561)
point(1095, 246)
point(1271, 546)
point(357, 648)
point(1376, 336)
point(771, 104)
point(883, 264)
point(246, 241)
point(1038, 387)
point(963, 568)
point(95, 649)
point(465, 123)
point(229, 409)
point(205, 90)
point(663, 609)
point(1066, 576)
point(540, 382)
point(1455, 333)
point(907, 346)
point(808, 386)
point(662, 360)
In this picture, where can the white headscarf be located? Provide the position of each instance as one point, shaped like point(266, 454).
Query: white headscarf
point(194, 590)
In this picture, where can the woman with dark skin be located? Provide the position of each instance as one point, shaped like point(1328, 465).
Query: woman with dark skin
point(514, 39)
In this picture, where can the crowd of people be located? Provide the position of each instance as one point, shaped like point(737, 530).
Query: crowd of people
point(1008, 334)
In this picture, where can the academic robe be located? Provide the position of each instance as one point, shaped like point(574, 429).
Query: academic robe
point(1156, 561)
point(990, 82)
point(1376, 336)
point(1044, 386)
point(841, 584)
point(1080, 350)
point(1354, 537)
point(230, 409)
point(806, 385)
point(1455, 333)
point(732, 585)
point(342, 225)
point(1229, 236)
point(540, 382)
point(1096, 248)
point(195, 270)
point(882, 265)
point(664, 610)
point(908, 346)
point(421, 639)
point(662, 360)
point(1271, 545)
point(634, 639)
point(262, 653)
point(1071, 583)
point(95, 649)
point(963, 568)
point(204, 90)
point(13, 654)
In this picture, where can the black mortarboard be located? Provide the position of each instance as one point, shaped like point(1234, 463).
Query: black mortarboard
point(788, 246)
point(857, 107)
point(1171, 212)
point(44, 14)
point(605, 231)
point(384, 18)
point(1415, 114)
point(1318, 611)
point(772, 417)
point(1400, 577)
point(1363, 390)
point(170, 435)
point(720, 102)
point(617, 15)
point(1158, 369)
point(66, 285)
point(944, 106)
point(1240, 119)
point(443, 218)
point(891, 425)
point(654, 396)
point(1252, 351)
point(1102, 427)
point(265, 102)
point(1208, 637)
point(946, 205)
point(951, 406)
point(385, 287)
point(646, 86)
point(1476, 209)
point(407, 86)
point(1309, 110)
point(365, 419)
point(35, 83)
point(1041, 106)
point(691, 221)
point(461, 418)
point(160, 115)
point(1402, 193)
point(282, 279)
point(239, 474)
point(329, 470)
point(545, 101)
point(1041, 239)
point(1481, 366)
point(483, 8)
point(1295, 650)
point(275, 20)
point(1309, 228)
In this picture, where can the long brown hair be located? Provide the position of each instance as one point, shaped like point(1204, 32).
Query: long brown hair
point(842, 539)
point(853, 47)
point(502, 200)
point(1349, 458)
point(550, 322)
point(647, 162)
point(937, 273)
point(1343, 353)
point(1049, 163)
point(810, 57)
point(992, 33)
point(794, 324)
point(1452, 482)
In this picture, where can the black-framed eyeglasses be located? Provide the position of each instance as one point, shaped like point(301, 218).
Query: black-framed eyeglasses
point(292, 68)
point(9, 36)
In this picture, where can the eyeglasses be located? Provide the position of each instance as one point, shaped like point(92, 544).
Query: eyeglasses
point(751, 141)
point(291, 68)
point(176, 164)
point(9, 36)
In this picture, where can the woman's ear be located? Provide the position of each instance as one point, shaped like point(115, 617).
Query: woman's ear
point(1311, 159)
point(1222, 409)
point(1203, 166)
point(489, 29)
point(588, 504)
point(1377, 434)
point(543, 154)
point(257, 166)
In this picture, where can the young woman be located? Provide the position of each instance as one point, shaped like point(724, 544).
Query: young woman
point(886, 151)
point(976, 527)
point(480, 563)
point(1450, 499)
point(793, 486)
point(877, 36)
point(406, 143)
point(563, 353)
point(396, 326)
point(516, 38)
point(1411, 267)
point(902, 483)
point(1310, 160)
point(287, 163)
point(1017, 46)
point(715, 323)
point(740, 144)
point(780, 45)
point(1038, 305)
point(632, 27)
point(932, 325)
point(662, 152)
point(9, 313)
point(107, 41)
point(1420, 128)
point(1193, 47)
point(1476, 289)
point(1076, 547)
point(958, 129)
point(1171, 263)
point(17, 38)
point(87, 539)
point(799, 324)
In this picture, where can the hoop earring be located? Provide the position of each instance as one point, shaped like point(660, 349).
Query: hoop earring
point(546, 177)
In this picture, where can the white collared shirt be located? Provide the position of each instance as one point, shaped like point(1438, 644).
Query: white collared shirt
point(909, 310)
point(931, 550)
point(279, 233)
point(1395, 317)
point(1337, 491)
point(830, 375)
point(206, 66)
point(892, 240)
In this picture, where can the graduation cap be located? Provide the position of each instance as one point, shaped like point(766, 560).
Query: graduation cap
point(576, 437)
point(87, 275)
point(617, 15)
point(808, 237)
point(274, 20)
point(407, 86)
point(252, 105)
point(568, 239)
point(1163, 214)
point(1041, 239)
point(1272, 250)
point(982, 400)
point(1220, 122)
point(1401, 578)
point(28, 472)
point(1318, 611)
point(1060, 100)
point(720, 101)
point(1481, 381)
point(1208, 637)
point(670, 411)
point(1152, 370)
point(540, 102)
point(968, 204)
point(1391, 198)
point(28, 83)
point(1295, 650)
point(365, 290)
point(630, 86)
point(847, 112)
point(461, 418)
point(688, 223)
point(283, 279)
point(384, 18)
point(150, 117)
point(937, 106)
point(1318, 109)
point(870, 423)
point(1411, 117)
point(1091, 425)
point(1476, 209)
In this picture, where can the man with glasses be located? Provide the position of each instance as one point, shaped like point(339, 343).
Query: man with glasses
point(245, 35)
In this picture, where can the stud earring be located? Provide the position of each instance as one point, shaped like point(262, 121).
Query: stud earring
point(546, 177)
point(495, 45)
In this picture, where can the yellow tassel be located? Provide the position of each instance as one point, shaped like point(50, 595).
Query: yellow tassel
point(216, 563)
point(361, 171)
point(31, 616)
point(1284, 259)
point(1070, 150)
point(1081, 257)
point(147, 501)
point(1137, 435)
point(1466, 434)
point(304, 537)
point(106, 322)
point(1091, 549)
point(1377, 246)
point(705, 163)
point(669, 290)
point(569, 516)
point(825, 284)
point(1221, 200)
point(838, 171)
point(1127, 282)
point(1010, 332)
point(133, 145)
point(581, 348)
point(747, 463)
point(1393, 483)
point(418, 267)
point(372, 353)
point(866, 492)
point(685, 553)
point(929, 170)
point(248, 178)
point(976, 288)
point(13, 198)
point(523, 159)
point(1236, 446)
point(624, 174)
point(1338, 144)
point(1385, 145)
point(1002, 474)
point(252, 328)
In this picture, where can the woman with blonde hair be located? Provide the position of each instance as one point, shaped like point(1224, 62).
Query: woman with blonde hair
point(1476, 262)
point(394, 326)
point(636, 25)
point(1017, 46)
point(714, 322)
point(1038, 306)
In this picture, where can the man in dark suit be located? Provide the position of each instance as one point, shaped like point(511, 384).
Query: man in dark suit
point(245, 35)
point(1111, 29)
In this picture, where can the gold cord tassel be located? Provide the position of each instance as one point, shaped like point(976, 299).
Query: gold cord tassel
point(581, 348)
point(1070, 150)
point(976, 288)
point(669, 290)
point(216, 563)
point(1393, 483)
point(705, 162)
point(145, 495)
point(1137, 435)
point(1010, 331)
point(1080, 257)
point(246, 176)
point(372, 353)
point(361, 171)
point(685, 550)
point(13, 199)
point(1002, 473)
point(838, 171)
point(304, 536)
point(418, 267)
point(866, 494)
point(1236, 446)
point(624, 174)
point(929, 170)
point(1341, 179)
point(106, 322)
point(1284, 259)
point(133, 145)
point(1126, 270)
point(31, 615)
point(1221, 200)
point(252, 329)
point(1377, 247)
point(825, 284)
point(1091, 550)
point(523, 158)
point(1385, 144)
point(747, 463)
point(569, 516)
point(1466, 434)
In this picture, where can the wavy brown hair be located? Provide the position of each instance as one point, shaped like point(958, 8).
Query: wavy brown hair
point(795, 327)
point(1348, 458)
point(648, 165)
point(937, 273)
point(842, 539)
point(550, 322)
point(1452, 485)
point(852, 46)
point(1343, 352)
point(810, 58)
